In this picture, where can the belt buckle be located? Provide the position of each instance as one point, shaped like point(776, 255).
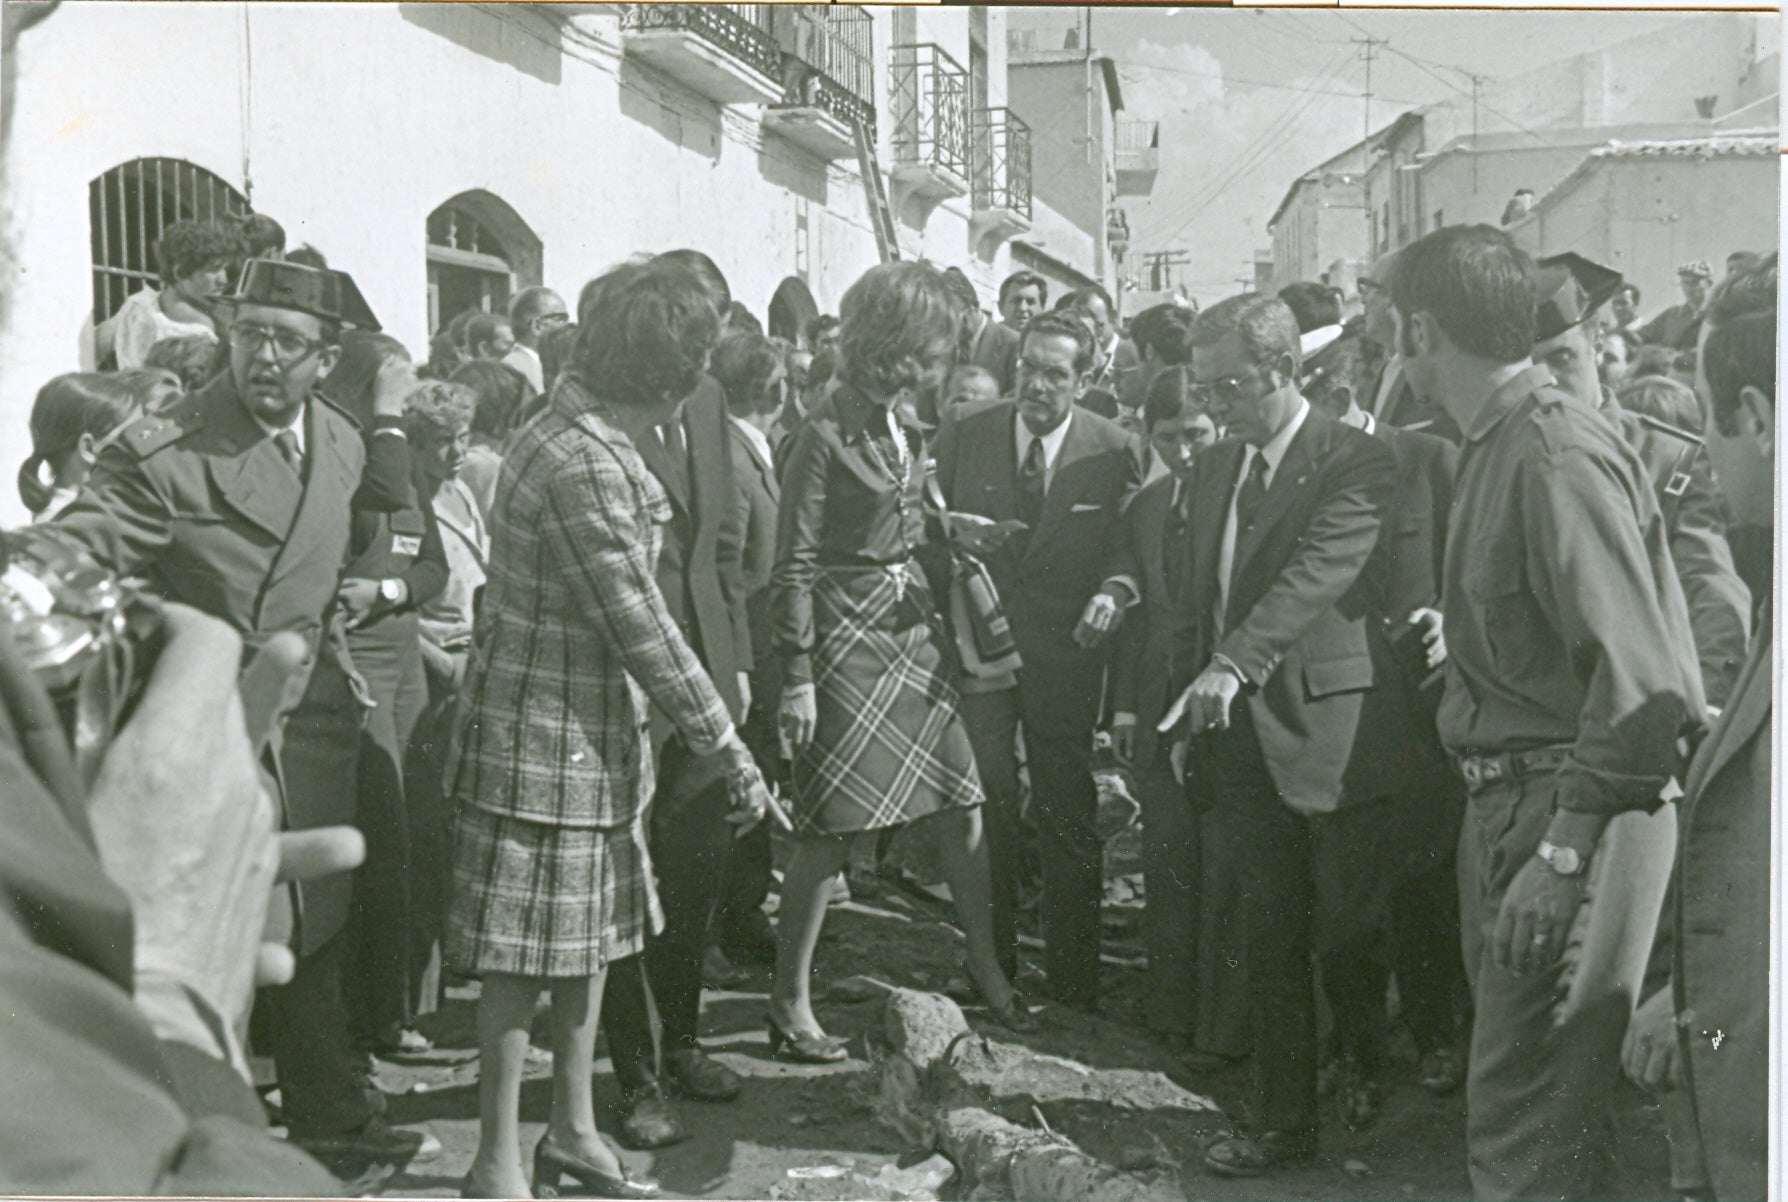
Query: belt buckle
point(1481, 770)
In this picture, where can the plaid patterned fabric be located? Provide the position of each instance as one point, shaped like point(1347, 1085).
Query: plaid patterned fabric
point(573, 636)
point(547, 901)
point(889, 745)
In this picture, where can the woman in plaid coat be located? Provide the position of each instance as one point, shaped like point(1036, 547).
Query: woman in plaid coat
point(551, 877)
point(868, 707)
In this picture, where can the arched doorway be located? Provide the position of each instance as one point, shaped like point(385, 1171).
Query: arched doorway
point(480, 252)
point(791, 308)
point(128, 208)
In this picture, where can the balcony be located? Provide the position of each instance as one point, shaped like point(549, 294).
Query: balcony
point(1002, 175)
point(827, 76)
point(724, 51)
point(1138, 145)
point(928, 105)
point(1117, 233)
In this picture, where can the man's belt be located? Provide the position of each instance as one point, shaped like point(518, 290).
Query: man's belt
point(1482, 771)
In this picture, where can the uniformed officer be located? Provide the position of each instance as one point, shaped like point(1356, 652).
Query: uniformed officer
point(236, 501)
point(1572, 290)
point(1570, 680)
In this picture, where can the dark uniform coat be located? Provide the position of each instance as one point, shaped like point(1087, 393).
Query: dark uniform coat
point(200, 502)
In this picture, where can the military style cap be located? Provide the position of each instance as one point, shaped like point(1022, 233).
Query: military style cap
point(1571, 288)
point(320, 291)
point(1700, 269)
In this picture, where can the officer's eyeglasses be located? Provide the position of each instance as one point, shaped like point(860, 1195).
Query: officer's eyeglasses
point(552, 321)
point(288, 346)
point(1222, 393)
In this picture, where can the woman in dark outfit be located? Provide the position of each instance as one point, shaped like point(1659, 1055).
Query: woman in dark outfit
point(867, 704)
point(395, 564)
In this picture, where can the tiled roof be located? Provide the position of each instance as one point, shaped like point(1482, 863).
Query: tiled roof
point(1711, 147)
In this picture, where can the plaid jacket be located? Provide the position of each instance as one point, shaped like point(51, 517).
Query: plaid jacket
point(573, 639)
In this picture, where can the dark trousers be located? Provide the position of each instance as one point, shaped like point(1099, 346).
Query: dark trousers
point(691, 842)
point(1538, 1096)
point(1424, 932)
point(1170, 884)
point(305, 1029)
point(1312, 886)
point(1064, 801)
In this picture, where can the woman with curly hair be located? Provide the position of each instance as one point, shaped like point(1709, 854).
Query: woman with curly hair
point(867, 705)
point(196, 260)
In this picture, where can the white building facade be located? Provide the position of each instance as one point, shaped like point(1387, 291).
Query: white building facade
point(449, 154)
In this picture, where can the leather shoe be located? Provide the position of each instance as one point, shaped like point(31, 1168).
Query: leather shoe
point(1259, 1155)
point(698, 1075)
point(650, 1120)
point(373, 1141)
point(1359, 1095)
point(719, 972)
point(1442, 1071)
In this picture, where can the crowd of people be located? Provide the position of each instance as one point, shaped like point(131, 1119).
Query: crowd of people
point(1428, 637)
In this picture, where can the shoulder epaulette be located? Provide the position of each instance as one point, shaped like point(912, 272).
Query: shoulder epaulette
point(153, 431)
point(1665, 428)
point(346, 416)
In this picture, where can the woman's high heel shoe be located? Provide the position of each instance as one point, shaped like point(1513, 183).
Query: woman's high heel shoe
point(804, 1049)
point(550, 1164)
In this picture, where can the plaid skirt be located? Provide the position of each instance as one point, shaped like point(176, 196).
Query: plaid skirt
point(888, 745)
point(538, 900)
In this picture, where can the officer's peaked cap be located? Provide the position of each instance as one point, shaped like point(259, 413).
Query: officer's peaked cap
point(320, 291)
point(1571, 288)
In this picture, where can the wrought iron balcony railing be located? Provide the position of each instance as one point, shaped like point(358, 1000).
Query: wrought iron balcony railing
point(742, 30)
point(1002, 154)
point(834, 41)
point(928, 105)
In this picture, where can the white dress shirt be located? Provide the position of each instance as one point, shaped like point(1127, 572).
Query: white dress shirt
point(1273, 452)
point(1387, 384)
point(1052, 446)
point(760, 444)
point(297, 427)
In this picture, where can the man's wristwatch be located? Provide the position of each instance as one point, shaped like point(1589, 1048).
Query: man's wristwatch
point(1563, 860)
point(391, 591)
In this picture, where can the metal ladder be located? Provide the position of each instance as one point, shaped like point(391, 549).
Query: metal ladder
point(875, 190)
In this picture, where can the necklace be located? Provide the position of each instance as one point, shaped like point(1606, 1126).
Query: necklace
point(900, 478)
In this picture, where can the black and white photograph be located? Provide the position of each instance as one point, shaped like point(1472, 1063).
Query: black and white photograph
point(927, 603)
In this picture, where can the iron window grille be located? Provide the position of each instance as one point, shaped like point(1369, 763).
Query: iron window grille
point(928, 99)
point(128, 208)
point(1002, 161)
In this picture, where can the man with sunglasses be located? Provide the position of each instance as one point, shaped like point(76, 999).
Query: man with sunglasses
point(236, 501)
point(1284, 514)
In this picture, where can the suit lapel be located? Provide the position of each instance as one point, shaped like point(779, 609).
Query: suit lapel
point(328, 484)
point(1748, 712)
point(1066, 484)
point(1289, 483)
point(658, 461)
point(1210, 509)
point(248, 470)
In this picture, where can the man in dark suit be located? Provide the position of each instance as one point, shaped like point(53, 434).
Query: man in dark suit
point(236, 501)
point(1707, 1034)
point(699, 575)
point(1404, 911)
point(1066, 475)
point(987, 344)
point(1286, 511)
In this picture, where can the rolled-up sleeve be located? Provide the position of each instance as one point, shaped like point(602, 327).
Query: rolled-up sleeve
point(1620, 612)
point(800, 524)
point(601, 543)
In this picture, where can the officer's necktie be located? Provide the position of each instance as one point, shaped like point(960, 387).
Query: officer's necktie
point(287, 443)
point(1253, 492)
point(1031, 484)
point(671, 435)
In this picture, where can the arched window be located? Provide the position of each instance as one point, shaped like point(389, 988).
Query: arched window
point(128, 208)
point(480, 252)
point(791, 308)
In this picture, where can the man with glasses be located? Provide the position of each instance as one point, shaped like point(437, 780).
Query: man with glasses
point(533, 314)
point(236, 501)
point(1285, 512)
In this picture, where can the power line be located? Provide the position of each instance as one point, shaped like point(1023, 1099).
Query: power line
point(1251, 83)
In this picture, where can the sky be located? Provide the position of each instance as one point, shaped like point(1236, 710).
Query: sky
point(1249, 99)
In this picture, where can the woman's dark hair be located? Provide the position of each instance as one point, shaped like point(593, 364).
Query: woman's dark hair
point(1166, 330)
point(1313, 305)
point(704, 270)
point(1476, 284)
point(350, 385)
point(262, 237)
point(1664, 399)
point(91, 403)
point(894, 312)
point(740, 320)
point(483, 327)
point(189, 247)
point(648, 334)
point(743, 364)
point(556, 350)
point(503, 395)
point(1170, 396)
point(188, 356)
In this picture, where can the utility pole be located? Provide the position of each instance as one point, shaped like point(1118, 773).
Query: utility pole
point(1160, 264)
point(1371, 44)
point(1477, 83)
